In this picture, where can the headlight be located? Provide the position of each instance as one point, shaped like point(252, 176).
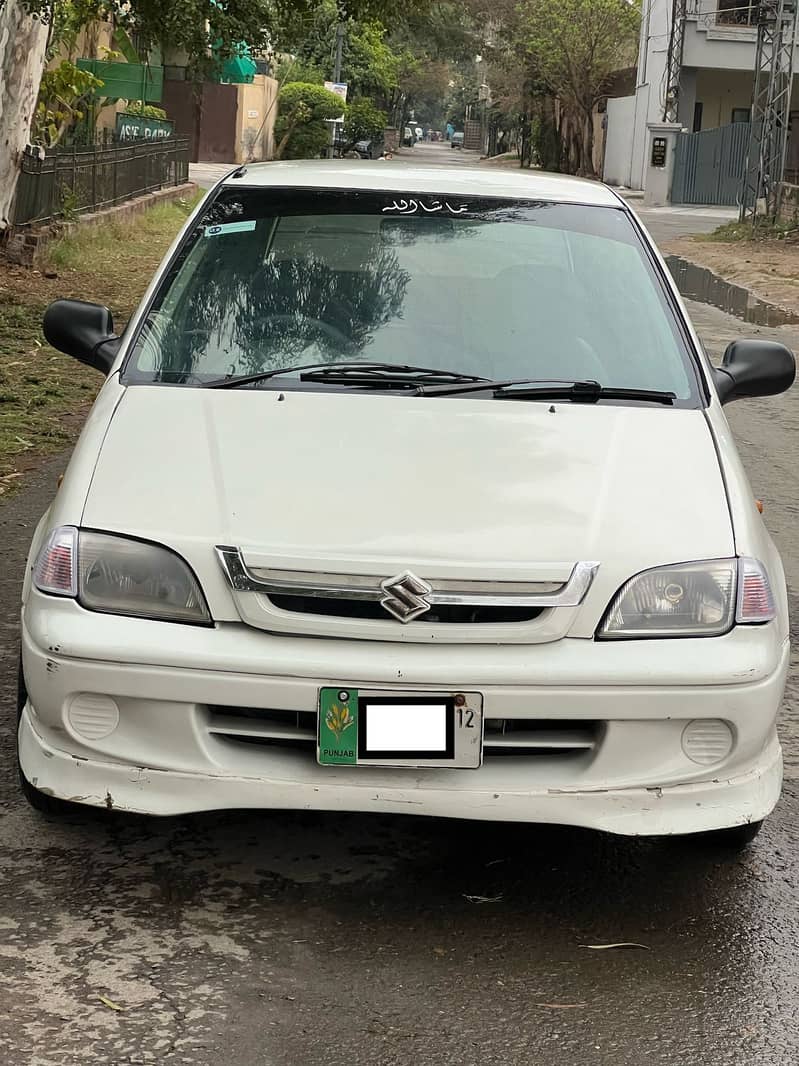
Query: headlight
point(702, 599)
point(116, 575)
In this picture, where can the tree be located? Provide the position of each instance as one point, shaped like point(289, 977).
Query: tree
point(574, 46)
point(302, 111)
point(436, 47)
point(363, 121)
point(209, 31)
point(64, 95)
point(369, 64)
point(23, 41)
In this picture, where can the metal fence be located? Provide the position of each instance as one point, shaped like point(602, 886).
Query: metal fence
point(709, 166)
point(63, 182)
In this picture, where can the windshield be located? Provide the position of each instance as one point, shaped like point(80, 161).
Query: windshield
point(497, 289)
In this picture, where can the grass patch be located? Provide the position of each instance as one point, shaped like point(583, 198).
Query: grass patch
point(113, 257)
point(764, 229)
point(44, 395)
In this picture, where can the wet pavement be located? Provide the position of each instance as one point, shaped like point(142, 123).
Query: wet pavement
point(282, 939)
point(703, 286)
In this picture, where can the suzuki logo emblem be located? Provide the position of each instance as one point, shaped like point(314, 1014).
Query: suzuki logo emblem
point(405, 596)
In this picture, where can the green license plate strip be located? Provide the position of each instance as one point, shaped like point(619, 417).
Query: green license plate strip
point(343, 737)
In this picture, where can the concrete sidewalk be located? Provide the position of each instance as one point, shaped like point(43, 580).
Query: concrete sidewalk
point(681, 220)
point(676, 220)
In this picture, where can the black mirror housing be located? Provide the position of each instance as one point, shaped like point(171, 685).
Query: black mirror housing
point(754, 368)
point(83, 330)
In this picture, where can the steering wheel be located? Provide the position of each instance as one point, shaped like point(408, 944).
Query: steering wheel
point(331, 331)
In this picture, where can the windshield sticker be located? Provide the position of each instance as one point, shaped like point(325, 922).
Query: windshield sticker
point(411, 207)
point(230, 227)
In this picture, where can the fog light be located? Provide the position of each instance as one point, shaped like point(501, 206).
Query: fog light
point(93, 717)
point(707, 740)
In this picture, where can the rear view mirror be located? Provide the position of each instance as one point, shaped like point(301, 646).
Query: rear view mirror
point(83, 330)
point(754, 368)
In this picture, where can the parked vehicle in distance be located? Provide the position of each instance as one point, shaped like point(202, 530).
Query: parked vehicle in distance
point(457, 140)
point(340, 144)
point(370, 149)
point(245, 593)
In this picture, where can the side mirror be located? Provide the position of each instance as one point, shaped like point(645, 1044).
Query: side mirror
point(754, 368)
point(83, 330)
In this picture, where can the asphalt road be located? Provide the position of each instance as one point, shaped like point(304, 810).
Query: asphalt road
point(253, 939)
point(665, 223)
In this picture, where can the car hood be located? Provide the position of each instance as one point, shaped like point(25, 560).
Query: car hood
point(374, 484)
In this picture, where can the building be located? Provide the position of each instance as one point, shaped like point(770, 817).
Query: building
point(715, 85)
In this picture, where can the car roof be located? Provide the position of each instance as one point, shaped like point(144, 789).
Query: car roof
point(385, 176)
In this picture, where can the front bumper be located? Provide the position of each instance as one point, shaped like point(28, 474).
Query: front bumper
point(163, 758)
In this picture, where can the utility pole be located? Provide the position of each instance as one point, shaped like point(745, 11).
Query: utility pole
point(771, 103)
point(674, 61)
point(339, 50)
point(336, 76)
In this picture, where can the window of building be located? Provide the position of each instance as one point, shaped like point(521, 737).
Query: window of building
point(741, 114)
point(736, 13)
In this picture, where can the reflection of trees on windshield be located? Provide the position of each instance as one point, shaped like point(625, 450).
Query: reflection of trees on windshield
point(242, 314)
point(297, 302)
point(406, 231)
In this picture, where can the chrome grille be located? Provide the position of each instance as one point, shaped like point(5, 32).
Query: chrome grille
point(503, 737)
point(457, 614)
point(406, 597)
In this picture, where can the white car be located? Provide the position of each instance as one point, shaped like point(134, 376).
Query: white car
point(415, 498)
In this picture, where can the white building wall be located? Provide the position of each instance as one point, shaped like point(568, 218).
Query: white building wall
point(718, 67)
point(618, 142)
point(711, 44)
point(650, 91)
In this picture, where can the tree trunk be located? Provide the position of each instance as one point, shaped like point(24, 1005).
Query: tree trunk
point(572, 145)
point(587, 123)
point(284, 140)
point(548, 135)
point(23, 41)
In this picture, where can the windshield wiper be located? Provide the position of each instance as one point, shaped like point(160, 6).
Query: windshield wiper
point(584, 392)
point(573, 391)
point(232, 381)
point(351, 373)
point(375, 375)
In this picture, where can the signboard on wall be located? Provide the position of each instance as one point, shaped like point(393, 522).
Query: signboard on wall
point(337, 87)
point(340, 89)
point(136, 128)
point(658, 151)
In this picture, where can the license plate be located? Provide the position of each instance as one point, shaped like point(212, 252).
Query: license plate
point(364, 727)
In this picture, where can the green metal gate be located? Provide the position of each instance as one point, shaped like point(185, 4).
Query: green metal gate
point(709, 166)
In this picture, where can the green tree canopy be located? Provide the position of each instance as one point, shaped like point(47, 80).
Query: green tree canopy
point(209, 31)
point(370, 65)
point(302, 110)
point(574, 46)
point(363, 121)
